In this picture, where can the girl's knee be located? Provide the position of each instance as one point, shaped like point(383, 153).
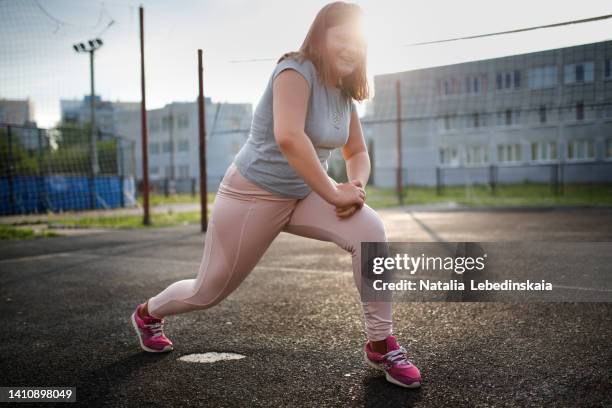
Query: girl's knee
point(370, 227)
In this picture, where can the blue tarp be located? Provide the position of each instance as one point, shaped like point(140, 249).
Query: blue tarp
point(39, 194)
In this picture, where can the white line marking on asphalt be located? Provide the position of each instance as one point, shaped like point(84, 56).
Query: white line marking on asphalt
point(211, 357)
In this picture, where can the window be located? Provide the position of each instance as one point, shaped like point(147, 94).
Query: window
point(477, 155)
point(517, 79)
point(508, 80)
point(183, 145)
point(580, 149)
point(473, 120)
point(609, 149)
point(154, 171)
point(452, 86)
point(183, 121)
point(470, 84)
point(578, 73)
point(509, 117)
point(184, 171)
point(542, 114)
point(543, 151)
point(542, 77)
point(608, 68)
point(580, 110)
point(508, 153)
point(476, 119)
point(168, 173)
point(449, 156)
point(154, 148)
point(154, 125)
point(516, 117)
point(167, 123)
point(166, 147)
point(449, 122)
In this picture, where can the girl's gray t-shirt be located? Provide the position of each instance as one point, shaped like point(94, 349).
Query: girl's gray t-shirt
point(327, 125)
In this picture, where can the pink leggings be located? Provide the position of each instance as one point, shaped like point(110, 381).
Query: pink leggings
point(245, 220)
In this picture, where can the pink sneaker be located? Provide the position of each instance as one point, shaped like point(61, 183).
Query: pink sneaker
point(398, 369)
point(150, 332)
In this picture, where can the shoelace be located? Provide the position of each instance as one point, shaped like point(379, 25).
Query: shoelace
point(398, 357)
point(155, 328)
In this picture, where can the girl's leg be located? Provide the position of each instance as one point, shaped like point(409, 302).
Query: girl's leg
point(244, 222)
point(315, 218)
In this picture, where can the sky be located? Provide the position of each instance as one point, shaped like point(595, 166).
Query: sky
point(37, 59)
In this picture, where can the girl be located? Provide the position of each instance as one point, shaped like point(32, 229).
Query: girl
point(278, 182)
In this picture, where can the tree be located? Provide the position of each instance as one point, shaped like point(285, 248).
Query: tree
point(23, 161)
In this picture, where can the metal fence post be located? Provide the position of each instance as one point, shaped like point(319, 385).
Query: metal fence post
point(121, 171)
point(41, 194)
point(560, 177)
point(399, 179)
point(10, 171)
point(492, 178)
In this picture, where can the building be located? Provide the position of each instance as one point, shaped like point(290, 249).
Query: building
point(532, 117)
point(19, 115)
point(79, 112)
point(174, 141)
point(17, 112)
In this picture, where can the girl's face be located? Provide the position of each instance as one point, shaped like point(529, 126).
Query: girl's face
point(345, 49)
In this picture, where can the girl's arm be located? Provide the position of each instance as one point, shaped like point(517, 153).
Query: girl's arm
point(290, 104)
point(355, 153)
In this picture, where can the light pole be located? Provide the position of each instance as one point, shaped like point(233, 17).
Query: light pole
point(91, 46)
point(172, 182)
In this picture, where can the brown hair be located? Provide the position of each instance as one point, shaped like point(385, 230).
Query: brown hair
point(354, 85)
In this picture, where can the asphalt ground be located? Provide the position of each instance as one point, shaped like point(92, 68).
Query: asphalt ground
point(66, 304)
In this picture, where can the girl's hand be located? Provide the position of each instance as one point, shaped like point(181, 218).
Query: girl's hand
point(348, 194)
point(347, 211)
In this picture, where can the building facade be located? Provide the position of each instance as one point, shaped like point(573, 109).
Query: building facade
point(17, 112)
point(174, 141)
point(106, 112)
point(526, 115)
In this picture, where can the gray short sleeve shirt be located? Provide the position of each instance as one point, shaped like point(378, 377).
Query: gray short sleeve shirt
point(327, 125)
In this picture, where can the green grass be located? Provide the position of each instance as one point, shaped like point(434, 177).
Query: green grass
point(519, 195)
point(524, 194)
point(131, 221)
point(10, 232)
point(159, 199)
